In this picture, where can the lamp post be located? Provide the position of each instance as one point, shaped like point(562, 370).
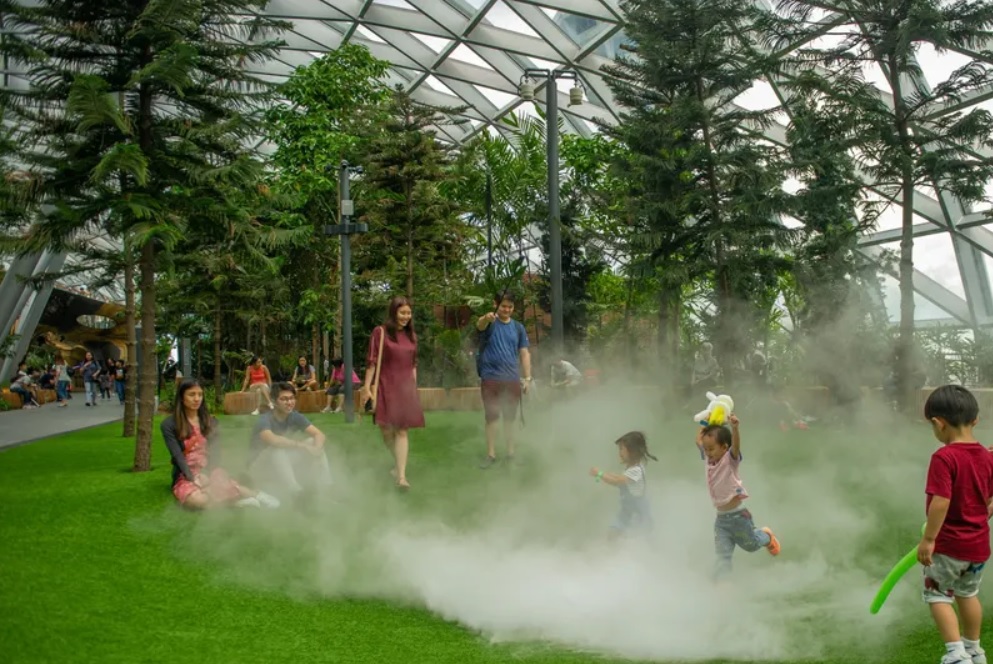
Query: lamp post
point(527, 90)
point(346, 229)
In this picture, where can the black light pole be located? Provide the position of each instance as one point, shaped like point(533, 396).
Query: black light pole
point(527, 90)
point(346, 229)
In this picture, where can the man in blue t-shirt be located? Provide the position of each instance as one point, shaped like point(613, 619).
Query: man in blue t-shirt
point(503, 352)
point(288, 450)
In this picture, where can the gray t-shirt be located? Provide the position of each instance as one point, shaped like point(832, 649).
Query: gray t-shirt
point(636, 480)
point(268, 422)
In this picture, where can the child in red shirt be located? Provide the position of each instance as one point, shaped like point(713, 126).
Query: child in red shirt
point(956, 541)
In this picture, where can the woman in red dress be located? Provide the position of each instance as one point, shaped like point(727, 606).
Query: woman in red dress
point(190, 434)
point(398, 408)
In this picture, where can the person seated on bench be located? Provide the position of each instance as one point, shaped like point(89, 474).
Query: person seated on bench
point(566, 376)
point(198, 481)
point(257, 379)
point(304, 375)
point(287, 451)
point(24, 386)
point(336, 386)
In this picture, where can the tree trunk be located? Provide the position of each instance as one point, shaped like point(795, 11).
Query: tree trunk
point(218, 383)
point(904, 348)
point(131, 373)
point(149, 364)
point(410, 245)
point(315, 347)
point(669, 367)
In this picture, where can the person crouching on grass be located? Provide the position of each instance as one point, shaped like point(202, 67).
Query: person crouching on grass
point(634, 513)
point(956, 541)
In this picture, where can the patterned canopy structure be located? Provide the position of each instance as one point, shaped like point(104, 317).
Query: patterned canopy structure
point(474, 53)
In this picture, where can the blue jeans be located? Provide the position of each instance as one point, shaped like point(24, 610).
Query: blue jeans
point(26, 397)
point(119, 387)
point(91, 391)
point(62, 391)
point(735, 529)
point(634, 513)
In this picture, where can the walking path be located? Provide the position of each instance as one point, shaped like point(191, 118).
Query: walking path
point(18, 427)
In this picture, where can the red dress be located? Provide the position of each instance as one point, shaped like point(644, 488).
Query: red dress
point(220, 488)
point(397, 403)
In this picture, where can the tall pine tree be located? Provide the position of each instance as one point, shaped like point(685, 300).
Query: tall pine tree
point(919, 137)
point(712, 188)
point(136, 112)
point(417, 232)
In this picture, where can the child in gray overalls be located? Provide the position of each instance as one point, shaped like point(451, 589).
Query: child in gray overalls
point(634, 513)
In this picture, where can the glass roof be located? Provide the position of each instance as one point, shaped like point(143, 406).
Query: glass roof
point(474, 52)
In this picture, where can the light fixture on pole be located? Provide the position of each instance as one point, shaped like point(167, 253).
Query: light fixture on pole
point(576, 94)
point(527, 90)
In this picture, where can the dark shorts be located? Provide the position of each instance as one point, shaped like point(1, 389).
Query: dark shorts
point(500, 397)
point(337, 390)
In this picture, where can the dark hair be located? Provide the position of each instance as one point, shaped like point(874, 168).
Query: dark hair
point(283, 386)
point(720, 433)
point(255, 358)
point(954, 404)
point(506, 295)
point(179, 411)
point(391, 326)
point(635, 443)
point(337, 362)
point(304, 358)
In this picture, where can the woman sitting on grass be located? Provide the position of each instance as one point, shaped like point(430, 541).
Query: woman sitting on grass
point(191, 435)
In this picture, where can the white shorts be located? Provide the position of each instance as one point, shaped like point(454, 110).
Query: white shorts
point(948, 578)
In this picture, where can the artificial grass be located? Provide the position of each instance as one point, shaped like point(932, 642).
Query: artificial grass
point(98, 565)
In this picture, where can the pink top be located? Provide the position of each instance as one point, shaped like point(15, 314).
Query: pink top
point(723, 481)
point(338, 375)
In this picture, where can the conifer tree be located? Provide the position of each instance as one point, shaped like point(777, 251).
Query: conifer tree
point(135, 112)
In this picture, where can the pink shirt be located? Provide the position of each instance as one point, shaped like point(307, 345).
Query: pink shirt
point(338, 375)
point(723, 481)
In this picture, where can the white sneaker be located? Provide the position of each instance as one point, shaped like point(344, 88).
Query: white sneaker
point(265, 500)
point(326, 409)
point(978, 655)
point(960, 657)
point(255, 412)
point(248, 502)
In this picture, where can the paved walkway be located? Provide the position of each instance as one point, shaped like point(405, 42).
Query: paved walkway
point(24, 426)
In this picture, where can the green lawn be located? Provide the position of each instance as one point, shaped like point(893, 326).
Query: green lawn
point(98, 565)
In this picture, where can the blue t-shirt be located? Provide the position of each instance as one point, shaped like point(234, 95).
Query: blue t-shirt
point(499, 360)
point(266, 422)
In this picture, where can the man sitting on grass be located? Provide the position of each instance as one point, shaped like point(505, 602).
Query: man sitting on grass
point(288, 450)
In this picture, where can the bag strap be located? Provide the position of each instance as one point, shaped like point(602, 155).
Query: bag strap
point(379, 360)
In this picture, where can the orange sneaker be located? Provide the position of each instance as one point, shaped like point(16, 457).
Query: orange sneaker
point(773, 544)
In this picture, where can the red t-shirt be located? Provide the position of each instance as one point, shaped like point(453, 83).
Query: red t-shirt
point(963, 473)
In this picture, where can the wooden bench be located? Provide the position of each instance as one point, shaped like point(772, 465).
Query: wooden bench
point(432, 398)
point(464, 398)
point(12, 400)
point(240, 403)
point(311, 402)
